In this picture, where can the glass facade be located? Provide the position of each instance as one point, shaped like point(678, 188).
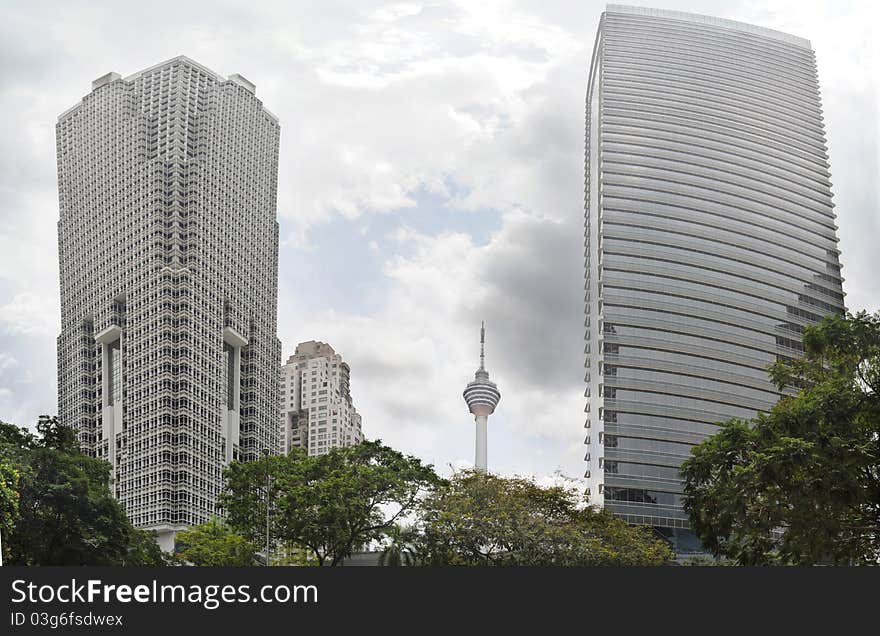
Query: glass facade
point(710, 242)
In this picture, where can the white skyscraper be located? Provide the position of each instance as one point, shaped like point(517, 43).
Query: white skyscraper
point(482, 396)
point(168, 355)
point(317, 413)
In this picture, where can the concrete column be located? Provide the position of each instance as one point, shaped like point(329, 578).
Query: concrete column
point(117, 407)
point(236, 368)
point(111, 410)
point(480, 462)
point(232, 416)
point(108, 410)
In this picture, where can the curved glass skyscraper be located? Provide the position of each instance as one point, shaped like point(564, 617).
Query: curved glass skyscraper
point(710, 241)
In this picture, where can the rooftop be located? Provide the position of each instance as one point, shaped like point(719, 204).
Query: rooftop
point(235, 78)
point(711, 20)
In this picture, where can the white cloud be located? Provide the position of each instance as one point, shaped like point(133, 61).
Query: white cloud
point(410, 361)
point(478, 102)
point(29, 313)
point(7, 362)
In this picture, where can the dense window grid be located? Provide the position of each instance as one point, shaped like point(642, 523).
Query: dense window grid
point(167, 244)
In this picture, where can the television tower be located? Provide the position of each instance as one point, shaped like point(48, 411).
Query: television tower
point(482, 396)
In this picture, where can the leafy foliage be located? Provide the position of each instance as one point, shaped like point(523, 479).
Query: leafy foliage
point(66, 512)
point(8, 499)
point(707, 561)
point(329, 504)
point(288, 553)
point(800, 484)
point(250, 487)
point(401, 547)
point(215, 543)
point(144, 550)
point(484, 519)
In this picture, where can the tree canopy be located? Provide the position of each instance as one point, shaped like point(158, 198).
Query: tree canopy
point(8, 499)
point(249, 488)
point(331, 504)
point(400, 546)
point(801, 483)
point(485, 519)
point(214, 543)
point(66, 513)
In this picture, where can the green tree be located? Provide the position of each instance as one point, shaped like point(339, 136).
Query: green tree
point(800, 484)
point(250, 487)
point(144, 550)
point(292, 554)
point(706, 561)
point(215, 543)
point(8, 501)
point(400, 549)
point(66, 512)
point(484, 519)
point(331, 504)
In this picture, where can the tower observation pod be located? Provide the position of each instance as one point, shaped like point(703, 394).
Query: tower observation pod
point(482, 396)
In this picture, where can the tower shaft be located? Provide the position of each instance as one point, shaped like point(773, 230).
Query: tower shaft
point(480, 455)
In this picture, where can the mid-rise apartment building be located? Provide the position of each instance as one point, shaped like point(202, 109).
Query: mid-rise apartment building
point(317, 413)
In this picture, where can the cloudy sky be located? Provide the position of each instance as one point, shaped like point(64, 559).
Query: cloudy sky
point(431, 176)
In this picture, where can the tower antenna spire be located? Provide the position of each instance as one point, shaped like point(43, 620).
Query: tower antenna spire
point(482, 345)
